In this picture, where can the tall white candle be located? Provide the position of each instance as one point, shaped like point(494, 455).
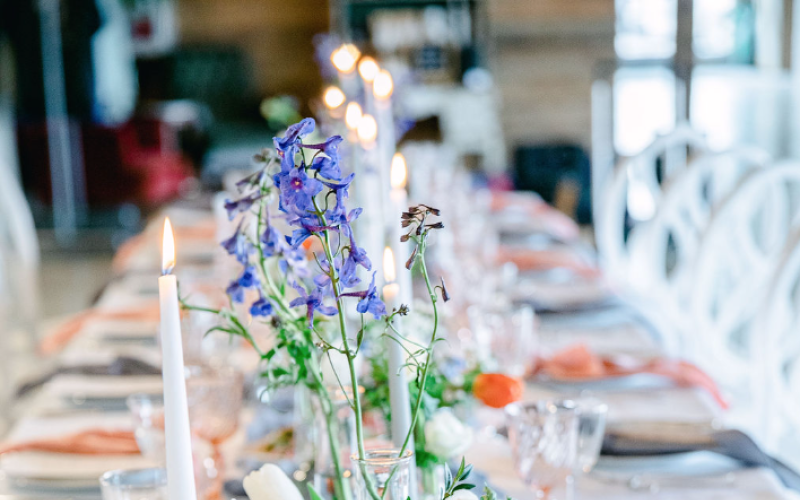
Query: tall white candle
point(180, 472)
point(334, 98)
point(368, 69)
point(399, 398)
point(352, 117)
point(399, 204)
point(344, 59)
point(371, 226)
point(382, 89)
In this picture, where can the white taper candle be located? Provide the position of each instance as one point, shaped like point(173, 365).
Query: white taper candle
point(180, 471)
point(398, 385)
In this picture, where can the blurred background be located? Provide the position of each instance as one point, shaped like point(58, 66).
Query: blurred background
point(111, 108)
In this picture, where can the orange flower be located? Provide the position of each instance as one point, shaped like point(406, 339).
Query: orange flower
point(497, 390)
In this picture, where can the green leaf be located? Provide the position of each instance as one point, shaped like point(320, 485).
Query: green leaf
point(448, 478)
point(464, 486)
point(313, 493)
point(359, 339)
point(488, 494)
point(467, 472)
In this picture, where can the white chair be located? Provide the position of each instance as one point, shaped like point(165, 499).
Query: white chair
point(777, 353)
point(19, 270)
point(634, 189)
point(735, 261)
point(662, 250)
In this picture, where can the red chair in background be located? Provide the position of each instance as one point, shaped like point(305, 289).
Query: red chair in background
point(138, 162)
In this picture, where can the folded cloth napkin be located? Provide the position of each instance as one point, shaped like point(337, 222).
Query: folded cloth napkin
point(552, 220)
point(121, 366)
point(65, 332)
point(542, 260)
point(151, 237)
point(578, 363)
point(730, 443)
point(88, 442)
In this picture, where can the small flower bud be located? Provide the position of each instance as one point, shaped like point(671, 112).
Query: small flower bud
point(410, 261)
point(445, 295)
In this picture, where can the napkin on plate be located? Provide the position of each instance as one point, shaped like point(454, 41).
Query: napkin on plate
point(67, 330)
point(86, 442)
point(578, 364)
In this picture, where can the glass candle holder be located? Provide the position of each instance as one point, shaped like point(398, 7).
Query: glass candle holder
point(384, 473)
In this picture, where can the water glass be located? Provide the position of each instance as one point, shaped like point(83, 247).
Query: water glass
point(591, 428)
point(544, 441)
point(509, 333)
point(141, 484)
point(385, 472)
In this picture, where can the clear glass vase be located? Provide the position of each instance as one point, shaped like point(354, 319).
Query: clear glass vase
point(431, 482)
point(341, 426)
point(383, 474)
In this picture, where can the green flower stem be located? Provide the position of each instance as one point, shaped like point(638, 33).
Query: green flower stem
point(429, 352)
point(356, 398)
point(340, 483)
point(428, 358)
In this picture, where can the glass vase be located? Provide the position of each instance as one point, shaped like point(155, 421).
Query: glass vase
point(431, 481)
point(383, 474)
point(341, 426)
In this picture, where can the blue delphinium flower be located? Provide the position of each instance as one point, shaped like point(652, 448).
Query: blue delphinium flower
point(297, 191)
point(358, 255)
point(235, 292)
point(238, 245)
point(294, 133)
point(287, 145)
point(235, 207)
point(328, 165)
point(313, 303)
point(249, 278)
point(294, 261)
point(272, 241)
point(261, 307)
point(370, 302)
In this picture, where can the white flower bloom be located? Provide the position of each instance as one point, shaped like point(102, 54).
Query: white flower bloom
point(464, 495)
point(270, 483)
point(446, 436)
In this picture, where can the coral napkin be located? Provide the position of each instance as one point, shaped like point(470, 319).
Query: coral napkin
point(579, 363)
point(88, 442)
point(56, 340)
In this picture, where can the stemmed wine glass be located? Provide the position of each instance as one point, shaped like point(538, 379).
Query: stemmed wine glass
point(592, 414)
point(544, 442)
point(214, 396)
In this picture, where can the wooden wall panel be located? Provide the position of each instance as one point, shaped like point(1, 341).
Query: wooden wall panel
point(275, 35)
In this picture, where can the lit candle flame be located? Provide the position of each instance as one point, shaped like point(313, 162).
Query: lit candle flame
point(167, 249)
point(368, 69)
point(399, 172)
point(383, 85)
point(367, 130)
point(352, 116)
point(333, 97)
point(388, 265)
point(345, 57)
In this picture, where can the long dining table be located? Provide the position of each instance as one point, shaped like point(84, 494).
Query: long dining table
point(121, 327)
